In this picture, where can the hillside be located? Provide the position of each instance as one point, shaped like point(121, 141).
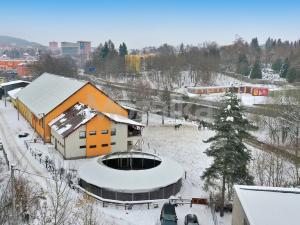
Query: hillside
point(18, 42)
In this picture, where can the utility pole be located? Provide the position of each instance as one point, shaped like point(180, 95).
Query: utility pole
point(5, 95)
point(13, 197)
point(18, 109)
point(44, 125)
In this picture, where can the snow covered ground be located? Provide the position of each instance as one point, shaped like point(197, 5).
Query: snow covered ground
point(269, 74)
point(184, 145)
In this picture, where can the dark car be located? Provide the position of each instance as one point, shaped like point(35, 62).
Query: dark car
point(191, 219)
point(168, 215)
point(23, 134)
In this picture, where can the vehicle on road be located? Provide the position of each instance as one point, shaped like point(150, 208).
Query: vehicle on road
point(168, 215)
point(23, 134)
point(191, 219)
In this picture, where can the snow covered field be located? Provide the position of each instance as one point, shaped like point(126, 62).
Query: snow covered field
point(184, 145)
point(246, 99)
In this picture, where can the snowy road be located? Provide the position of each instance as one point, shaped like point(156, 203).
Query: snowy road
point(16, 150)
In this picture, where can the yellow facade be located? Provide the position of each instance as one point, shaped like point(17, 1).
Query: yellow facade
point(133, 63)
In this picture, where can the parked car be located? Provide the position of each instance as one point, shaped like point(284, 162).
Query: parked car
point(191, 219)
point(23, 134)
point(168, 215)
point(1, 145)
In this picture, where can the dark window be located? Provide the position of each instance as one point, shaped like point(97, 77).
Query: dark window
point(93, 146)
point(113, 143)
point(104, 145)
point(82, 146)
point(92, 132)
point(113, 131)
point(104, 132)
point(82, 134)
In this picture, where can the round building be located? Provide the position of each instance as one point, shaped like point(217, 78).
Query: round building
point(131, 176)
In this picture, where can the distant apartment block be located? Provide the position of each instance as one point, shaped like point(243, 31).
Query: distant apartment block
point(85, 47)
point(85, 50)
point(69, 48)
point(81, 51)
point(53, 46)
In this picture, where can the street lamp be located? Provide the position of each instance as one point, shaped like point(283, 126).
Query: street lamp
point(5, 95)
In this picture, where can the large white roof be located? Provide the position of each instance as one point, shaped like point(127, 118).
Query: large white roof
point(267, 205)
point(48, 91)
point(121, 119)
point(14, 92)
point(131, 181)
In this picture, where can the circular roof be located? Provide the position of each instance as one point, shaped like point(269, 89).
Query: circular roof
point(131, 181)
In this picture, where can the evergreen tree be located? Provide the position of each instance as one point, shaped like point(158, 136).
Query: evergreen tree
point(256, 70)
point(104, 51)
point(292, 75)
point(243, 65)
point(285, 67)
point(229, 153)
point(123, 50)
point(276, 66)
point(254, 44)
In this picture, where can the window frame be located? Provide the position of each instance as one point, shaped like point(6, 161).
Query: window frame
point(113, 132)
point(92, 132)
point(81, 137)
point(104, 131)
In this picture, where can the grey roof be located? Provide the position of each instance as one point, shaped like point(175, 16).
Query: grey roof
point(48, 91)
point(71, 119)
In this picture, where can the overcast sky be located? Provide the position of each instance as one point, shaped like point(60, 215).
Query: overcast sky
point(142, 23)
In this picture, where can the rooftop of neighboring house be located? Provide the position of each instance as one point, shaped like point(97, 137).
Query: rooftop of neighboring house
point(270, 205)
point(13, 82)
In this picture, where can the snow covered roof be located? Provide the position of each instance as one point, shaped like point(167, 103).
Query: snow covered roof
point(80, 114)
point(71, 119)
point(269, 205)
point(121, 119)
point(47, 92)
point(14, 92)
point(131, 181)
point(130, 108)
point(13, 82)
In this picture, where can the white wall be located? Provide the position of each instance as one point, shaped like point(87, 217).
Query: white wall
point(56, 138)
point(238, 215)
point(70, 145)
point(120, 138)
point(73, 142)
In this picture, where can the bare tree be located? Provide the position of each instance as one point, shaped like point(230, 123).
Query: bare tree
point(27, 197)
point(269, 169)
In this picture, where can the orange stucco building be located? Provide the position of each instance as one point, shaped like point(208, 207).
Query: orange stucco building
point(49, 96)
